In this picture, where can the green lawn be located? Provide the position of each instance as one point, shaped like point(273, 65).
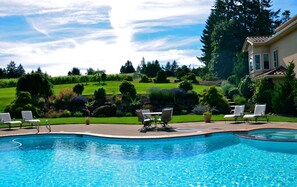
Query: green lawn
point(7, 95)
point(112, 87)
point(133, 120)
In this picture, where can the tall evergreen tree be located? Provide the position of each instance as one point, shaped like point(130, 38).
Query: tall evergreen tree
point(11, 70)
point(286, 15)
point(20, 71)
point(152, 68)
point(127, 68)
point(91, 71)
point(3, 73)
point(229, 23)
point(174, 66)
point(38, 70)
point(141, 68)
point(168, 69)
point(74, 71)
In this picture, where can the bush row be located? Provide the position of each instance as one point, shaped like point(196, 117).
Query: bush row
point(6, 83)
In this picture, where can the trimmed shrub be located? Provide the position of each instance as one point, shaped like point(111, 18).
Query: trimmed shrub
point(78, 89)
point(246, 87)
point(22, 102)
point(105, 110)
point(185, 85)
point(216, 99)
point(78, 103)
point(78, 114)
point(66, 113)
point(191, 99)
point(37, 84)
point(239, 100)
point(128, 90)
point(100, 96)
point(176, 98)
point(128, 78)
point(226, 86)
point(263, 93)
point(145, 79)
point(233, 91)
point(161, 77)
point(161, 98)
point(190, 77)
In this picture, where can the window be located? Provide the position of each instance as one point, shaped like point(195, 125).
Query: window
point(257, 62)
point(275, 58)
point(266, 61)
point(251, 64)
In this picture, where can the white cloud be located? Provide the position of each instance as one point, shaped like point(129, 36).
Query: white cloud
point(107, 47)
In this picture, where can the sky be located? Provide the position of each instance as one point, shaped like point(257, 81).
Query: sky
point(57, 35)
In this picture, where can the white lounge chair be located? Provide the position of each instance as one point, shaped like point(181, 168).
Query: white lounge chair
point(28, 118)
point(238, 112)
point(6, 119)
point(259, 111)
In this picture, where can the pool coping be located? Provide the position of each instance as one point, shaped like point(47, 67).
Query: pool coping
point(131, 131)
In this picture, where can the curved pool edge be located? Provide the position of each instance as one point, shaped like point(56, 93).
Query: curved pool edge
point(122, 137)
point(132, 131)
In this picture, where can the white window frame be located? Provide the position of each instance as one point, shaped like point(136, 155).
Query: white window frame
point(275, 58)
point(251, 64)
point(258, 55)
point(264, 60)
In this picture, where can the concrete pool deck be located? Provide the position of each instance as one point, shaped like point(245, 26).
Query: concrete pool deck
point(132, 131)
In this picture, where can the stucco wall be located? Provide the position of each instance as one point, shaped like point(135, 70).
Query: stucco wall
point(287, 49)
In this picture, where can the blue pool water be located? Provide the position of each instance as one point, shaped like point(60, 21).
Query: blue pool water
point(81, 160)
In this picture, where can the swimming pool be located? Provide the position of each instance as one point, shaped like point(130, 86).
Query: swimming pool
point(81, 160)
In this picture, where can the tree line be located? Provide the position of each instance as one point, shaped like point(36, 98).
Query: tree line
point(12, 71)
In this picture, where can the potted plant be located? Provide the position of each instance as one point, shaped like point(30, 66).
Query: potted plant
point(207, 116)
point(87, 114)
point(87, 120)
point(205, 110)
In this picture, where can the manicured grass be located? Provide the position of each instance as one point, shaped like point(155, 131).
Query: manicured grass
point(7, 95)
point(112, 87)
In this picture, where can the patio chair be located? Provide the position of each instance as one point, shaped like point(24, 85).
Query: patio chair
point(259, 111)
point(144, 119)
point(146, 116)
point(166, 117)
point(28, 118)
point(6, 119)
point(238, 112)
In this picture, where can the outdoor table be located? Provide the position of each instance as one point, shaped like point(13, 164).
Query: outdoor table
point(155, 115)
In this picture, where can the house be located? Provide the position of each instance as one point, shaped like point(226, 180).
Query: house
point(270, 55)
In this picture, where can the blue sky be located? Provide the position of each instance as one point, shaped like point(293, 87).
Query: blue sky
point(57, 35)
